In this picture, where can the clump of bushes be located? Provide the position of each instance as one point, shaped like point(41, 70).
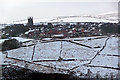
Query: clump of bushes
point(4, 37)
point(10, 44)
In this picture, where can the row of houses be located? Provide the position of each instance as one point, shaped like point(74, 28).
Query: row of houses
point(60, 32)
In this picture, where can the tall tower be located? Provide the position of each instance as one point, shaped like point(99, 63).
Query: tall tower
point(30, 21)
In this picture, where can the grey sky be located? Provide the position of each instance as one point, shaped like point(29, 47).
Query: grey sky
point(21, 9)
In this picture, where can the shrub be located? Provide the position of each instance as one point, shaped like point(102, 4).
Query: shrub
point(10, 44)
point(4, 37)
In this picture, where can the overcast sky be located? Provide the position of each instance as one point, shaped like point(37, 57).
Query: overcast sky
point(12, 10)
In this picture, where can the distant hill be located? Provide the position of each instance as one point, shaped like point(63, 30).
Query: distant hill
point(108, 17)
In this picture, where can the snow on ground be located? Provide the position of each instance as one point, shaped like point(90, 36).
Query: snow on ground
point(111, 49)
point(109, 17)
point(51, 51)
point(84, 38)
point(23, 53)
point(101, 60)
point(82, 18)
point(2, 40)
point(93, 43)
point(47, 51)
point(20, 39)
point(86, 19)
point(96, 70)
point(71, 50)
point(112, 46)
point(28, 43)
point(63, 64)
point(46, 39)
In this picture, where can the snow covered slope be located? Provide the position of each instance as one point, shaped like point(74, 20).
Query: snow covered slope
point(105, 63)
point(88, 18)
point(108, 17)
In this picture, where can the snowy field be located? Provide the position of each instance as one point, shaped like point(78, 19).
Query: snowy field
point(76, 58)
point(20, 39)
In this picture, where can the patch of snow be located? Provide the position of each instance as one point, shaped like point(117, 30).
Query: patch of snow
point(74, 51)
point(46, 38)
point(111, 47)
point(58, 35)
point(27, 32)
point(20, 39)
point(47, 51)
point(23, 53)
point(2, 40)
